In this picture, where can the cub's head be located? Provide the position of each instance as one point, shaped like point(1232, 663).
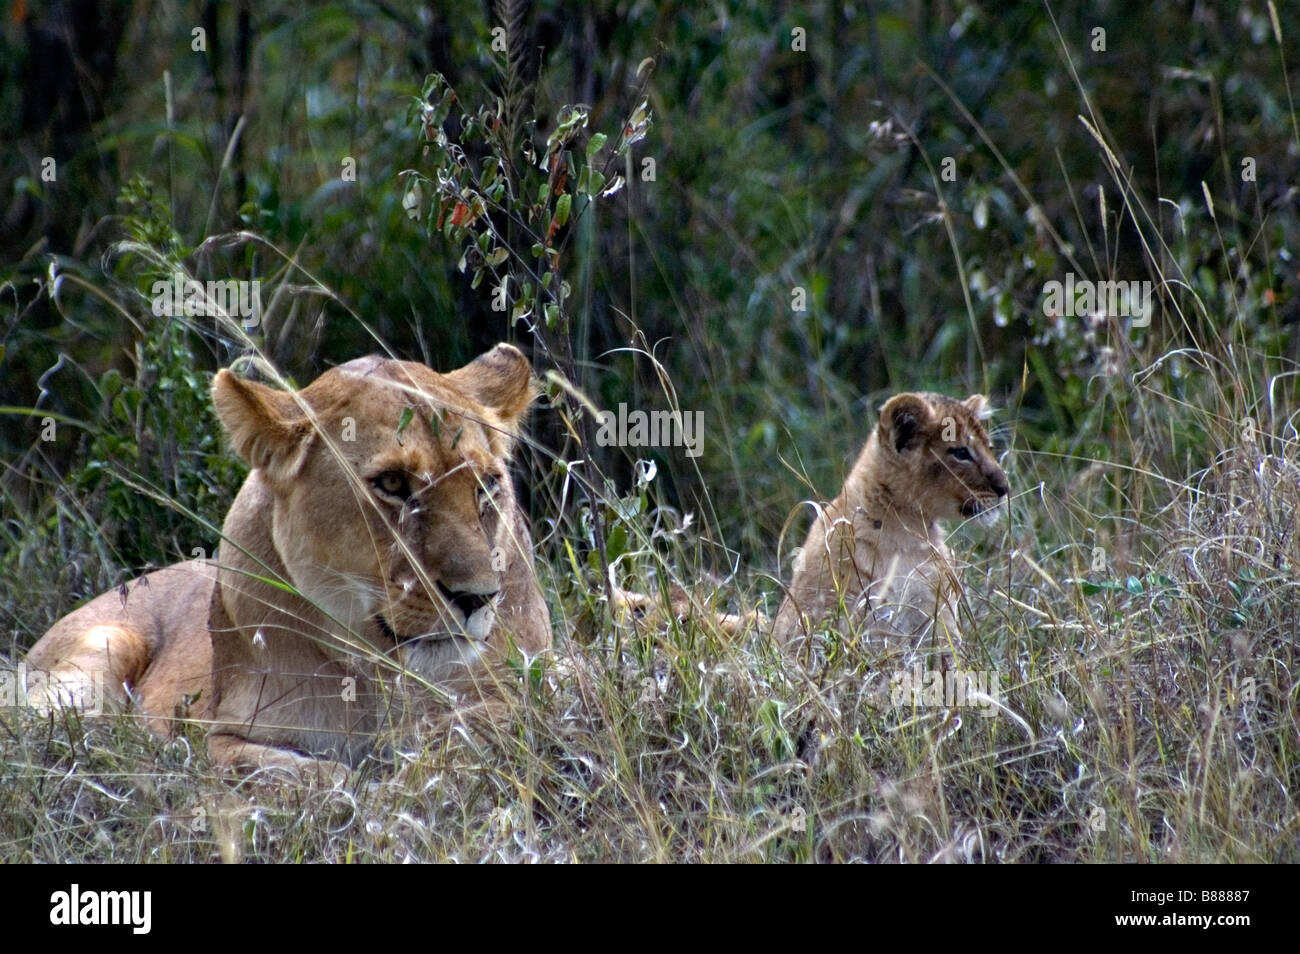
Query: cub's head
point(393, 510)
point(941, 454)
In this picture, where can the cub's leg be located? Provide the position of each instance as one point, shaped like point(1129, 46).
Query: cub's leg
point(240, 754)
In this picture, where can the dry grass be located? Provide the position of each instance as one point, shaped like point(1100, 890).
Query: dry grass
point(1149, 712)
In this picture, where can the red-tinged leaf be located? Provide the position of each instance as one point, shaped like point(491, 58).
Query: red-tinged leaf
point(461, 215)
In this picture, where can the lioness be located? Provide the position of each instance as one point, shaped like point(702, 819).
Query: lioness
point(876, 553)
point(377, 531)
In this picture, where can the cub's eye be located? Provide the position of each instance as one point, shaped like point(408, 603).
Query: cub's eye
point(960, 453)
point(394, 483)
point(487, 489)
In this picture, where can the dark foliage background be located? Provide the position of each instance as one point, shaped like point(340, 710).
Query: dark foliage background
point(775, 170)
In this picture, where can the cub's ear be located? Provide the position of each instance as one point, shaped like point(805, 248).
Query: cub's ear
point(266, 427)
point(501, 379)
point(979, 406)
point(903, 418)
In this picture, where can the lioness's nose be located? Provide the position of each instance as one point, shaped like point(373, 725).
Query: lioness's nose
point(1000, 485)
point(465, 601)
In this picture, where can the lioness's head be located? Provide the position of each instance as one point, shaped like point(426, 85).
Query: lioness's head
point(393, 509)
point(940, 451)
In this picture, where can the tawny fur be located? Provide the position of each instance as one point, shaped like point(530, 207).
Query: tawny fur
point(645, 612)
point(431, 588)
point(875, 558)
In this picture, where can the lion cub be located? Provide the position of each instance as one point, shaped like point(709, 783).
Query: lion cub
point(875, 555)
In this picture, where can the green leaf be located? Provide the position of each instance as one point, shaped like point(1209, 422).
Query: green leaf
point(616, 542)
point(595, 143)
point(110, 382)
point(562, 209)
point(403, 421)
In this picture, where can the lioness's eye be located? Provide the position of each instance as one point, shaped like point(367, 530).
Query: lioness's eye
point(394, 483)
point(960, 453)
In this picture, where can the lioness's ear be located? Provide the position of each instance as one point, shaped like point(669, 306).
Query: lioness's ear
point(266, 427)
point(500, 379)
point(902, 418)
point(978, 405)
